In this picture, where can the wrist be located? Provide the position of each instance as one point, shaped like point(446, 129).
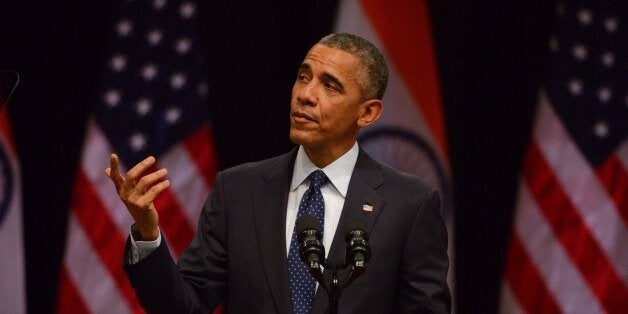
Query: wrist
point(144, 233)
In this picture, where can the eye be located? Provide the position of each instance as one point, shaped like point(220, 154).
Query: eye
point(303, 78)
point(329, 86)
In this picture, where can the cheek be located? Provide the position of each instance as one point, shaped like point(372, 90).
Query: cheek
point(296, 89)
point(337, 121)
point(293, 96)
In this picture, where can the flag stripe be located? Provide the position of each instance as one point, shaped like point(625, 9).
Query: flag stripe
point(614, 179)
point(190, 166)
point(190, 190)
point(582, 186)
point(406, 33)
point(200, 147)
point(5, 128)
point(545, 251)
point(173, 222)
point(69, 300)
point(572, 231)
point(102, 234)
point(509, 302)
point(526, 282)
point(622, 155)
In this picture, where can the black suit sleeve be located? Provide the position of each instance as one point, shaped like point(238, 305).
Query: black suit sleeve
point(423, 279)
point(197, 284)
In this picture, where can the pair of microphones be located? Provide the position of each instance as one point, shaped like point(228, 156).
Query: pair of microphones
point(312, 253)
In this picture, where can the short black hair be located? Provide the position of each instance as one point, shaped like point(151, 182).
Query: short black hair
point(374, 78)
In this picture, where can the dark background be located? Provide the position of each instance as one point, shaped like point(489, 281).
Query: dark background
point(490, 58)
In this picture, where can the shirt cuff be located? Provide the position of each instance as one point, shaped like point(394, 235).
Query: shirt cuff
point(141, 249)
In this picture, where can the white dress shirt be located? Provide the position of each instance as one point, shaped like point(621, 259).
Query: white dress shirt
point(334, 193)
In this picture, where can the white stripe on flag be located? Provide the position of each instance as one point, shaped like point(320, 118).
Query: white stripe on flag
point(509, 304)
point(190, 189)
point(622, 155)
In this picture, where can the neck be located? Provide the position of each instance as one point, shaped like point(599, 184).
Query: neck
point(325, 155)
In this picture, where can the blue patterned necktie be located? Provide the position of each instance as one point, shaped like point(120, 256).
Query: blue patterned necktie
point(302, 284)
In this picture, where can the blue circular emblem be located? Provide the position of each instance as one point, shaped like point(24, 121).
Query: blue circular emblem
point(407, 152)
point(6, 183)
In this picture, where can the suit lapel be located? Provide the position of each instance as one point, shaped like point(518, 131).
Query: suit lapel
point(269, 203)
point(365, 179)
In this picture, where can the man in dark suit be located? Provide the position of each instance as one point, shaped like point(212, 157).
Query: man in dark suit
point(241, 251)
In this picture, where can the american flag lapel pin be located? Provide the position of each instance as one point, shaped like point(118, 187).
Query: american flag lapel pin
point(367, 208)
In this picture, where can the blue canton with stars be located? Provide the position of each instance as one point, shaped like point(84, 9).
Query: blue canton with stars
point(154, 93)
point(588, 73)
point(302, 284)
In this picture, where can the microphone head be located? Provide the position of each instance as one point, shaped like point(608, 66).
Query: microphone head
point(355, 224)
point(311, 249)
point(307, 223)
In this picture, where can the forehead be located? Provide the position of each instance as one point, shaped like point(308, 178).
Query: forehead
point(332, 60)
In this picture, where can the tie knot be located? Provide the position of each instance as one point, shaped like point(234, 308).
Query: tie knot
point(317, 178)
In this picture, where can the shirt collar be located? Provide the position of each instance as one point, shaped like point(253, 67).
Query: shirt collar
point(339, 171)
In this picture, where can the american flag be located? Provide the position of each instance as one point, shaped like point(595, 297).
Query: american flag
point(153, 101)
point(410, 135)
point(569, 246)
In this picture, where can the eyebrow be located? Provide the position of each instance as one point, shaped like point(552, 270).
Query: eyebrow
point(327, 75)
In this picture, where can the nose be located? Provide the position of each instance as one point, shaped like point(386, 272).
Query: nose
point(307, 94)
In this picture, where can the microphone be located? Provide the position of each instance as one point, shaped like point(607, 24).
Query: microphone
point(311, 248)
point(358, 251)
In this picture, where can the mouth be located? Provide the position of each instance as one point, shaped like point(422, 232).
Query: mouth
point(302, 117)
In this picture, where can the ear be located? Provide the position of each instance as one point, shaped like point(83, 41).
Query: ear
point(371, 111)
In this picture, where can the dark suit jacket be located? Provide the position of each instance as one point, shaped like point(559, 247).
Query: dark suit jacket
point(239, 252)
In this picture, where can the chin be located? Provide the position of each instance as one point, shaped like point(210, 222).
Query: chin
point(300, 137)
point(296, 137)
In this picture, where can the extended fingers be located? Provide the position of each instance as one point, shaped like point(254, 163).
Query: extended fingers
point(135, 172)
point(155, 190)
point(150, 179)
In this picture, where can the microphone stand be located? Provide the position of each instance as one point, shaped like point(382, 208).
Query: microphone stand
point(312, 253)
point(335, 287)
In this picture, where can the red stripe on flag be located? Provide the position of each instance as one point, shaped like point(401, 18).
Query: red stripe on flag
point(573, 232)
point(220, 308)
point(613, 177)
point(69, 300)
point(173, 222)
point(5, 127)
point(406, 33)
point(103, 234)
point(201, 149)
point(525, 281)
